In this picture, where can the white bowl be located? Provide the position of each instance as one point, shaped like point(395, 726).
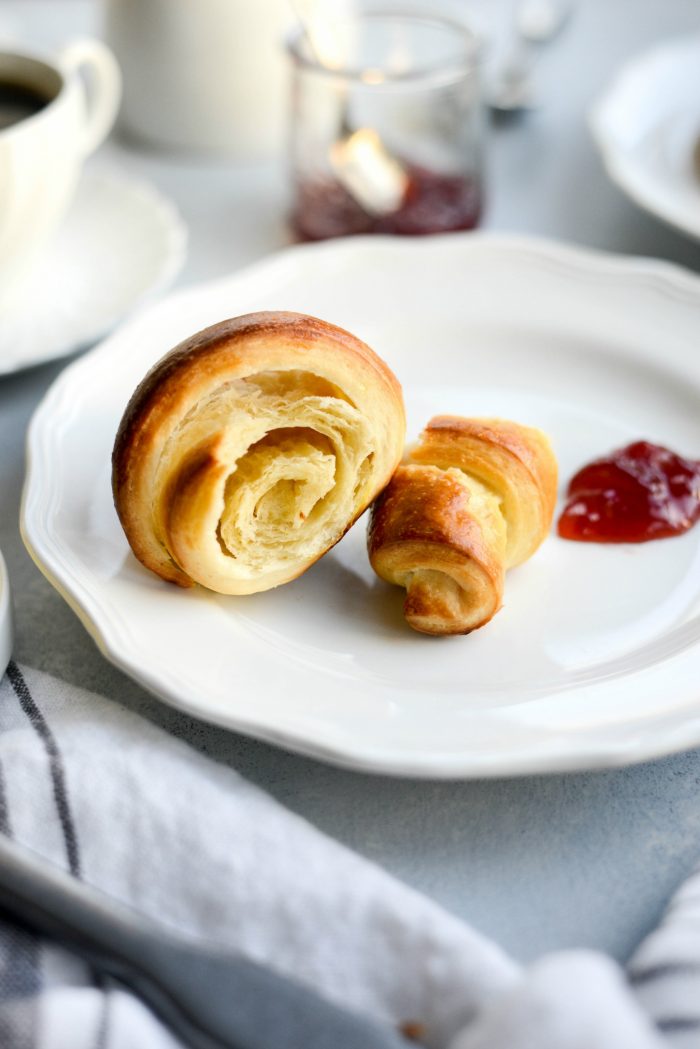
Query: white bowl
point(647, 128)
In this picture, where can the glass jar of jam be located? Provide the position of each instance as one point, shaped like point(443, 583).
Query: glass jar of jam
point(387, 127)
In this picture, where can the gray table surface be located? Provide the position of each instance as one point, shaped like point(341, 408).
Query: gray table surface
point(539, 863)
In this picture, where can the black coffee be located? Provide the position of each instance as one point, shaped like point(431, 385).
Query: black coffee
point(17, 102)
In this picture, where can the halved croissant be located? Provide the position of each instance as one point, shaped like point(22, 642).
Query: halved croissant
point(251, 448)
point(473, 498)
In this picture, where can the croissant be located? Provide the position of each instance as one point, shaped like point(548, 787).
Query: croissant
point(250, 449)
point(473, 498)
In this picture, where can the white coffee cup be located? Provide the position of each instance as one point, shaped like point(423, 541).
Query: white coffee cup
point(42, 154)
point(207, 76)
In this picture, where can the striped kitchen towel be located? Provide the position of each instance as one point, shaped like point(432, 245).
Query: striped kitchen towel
point(151, 822)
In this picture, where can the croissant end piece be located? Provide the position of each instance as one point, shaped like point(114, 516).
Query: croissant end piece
point(473, 498)
point(250, 449)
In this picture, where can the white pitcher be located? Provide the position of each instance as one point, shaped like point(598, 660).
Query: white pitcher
point(202, 75)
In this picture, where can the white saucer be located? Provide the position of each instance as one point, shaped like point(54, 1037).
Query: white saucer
point(595, 658)
point(5, 618)
point(121, 241)
point(647, 127)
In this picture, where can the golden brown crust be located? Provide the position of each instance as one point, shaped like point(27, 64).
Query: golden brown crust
point(327, 369)
point(473, 497)
point(515, 462)
point(229, 340)
point(436, 534)
point(423, 504)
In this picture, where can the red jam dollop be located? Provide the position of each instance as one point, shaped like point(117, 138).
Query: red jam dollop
point(432, 203)
point(637, 493)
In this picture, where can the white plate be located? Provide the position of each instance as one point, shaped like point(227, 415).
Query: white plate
point(647, 126)
point(120, 242)
point(595, 659)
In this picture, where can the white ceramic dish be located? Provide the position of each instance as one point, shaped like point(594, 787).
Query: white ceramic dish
point(6, 633)
point(120, 242)
point(595, 659)
point(647, 127)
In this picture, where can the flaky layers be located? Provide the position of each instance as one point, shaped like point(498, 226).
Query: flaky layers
point(250, 449)
point(473, 498)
